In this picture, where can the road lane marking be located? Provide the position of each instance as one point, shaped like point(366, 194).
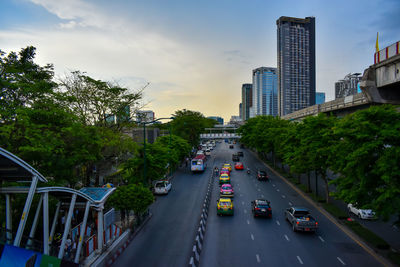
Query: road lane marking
point(278, 223)
point(259, 189)
point(242, 202)
point(241, 195)
point(258, 258)
point(287, 238)
point(283, 196)
point(320, 238)
point(290, 204)
point(252, 237)
point(245, 211)
point(248, 222)
point(262, 195)
point(277, 190)
point(299, 259)
point(342, 262)
point(273, 185)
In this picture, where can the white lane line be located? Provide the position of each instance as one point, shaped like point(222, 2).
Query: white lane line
point(278, 223)
point(283, 196)
point(245, 211)
point(258, 258)
point(273, 185)
point(239, 189)
point(252, 237)
point(287, 238)
point(262, 195)
point(241, 195)
point(277, 190)
point(320, 238)
point(299, 259)
point(290, 204)
point(259, 189)
point(248, 222)
point(242, 202)
point(342, 262)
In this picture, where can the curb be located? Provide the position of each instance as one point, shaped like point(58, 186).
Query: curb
point(200, 233)
point(344, 229)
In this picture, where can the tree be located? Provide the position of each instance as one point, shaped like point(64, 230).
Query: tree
point(190, 124)
point(368, 159)
point(22, 82)
point(134, 197)
point(96, 101)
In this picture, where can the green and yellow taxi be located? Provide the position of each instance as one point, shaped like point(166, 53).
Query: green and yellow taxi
point(224, 206)
point(227, 165)
point(224, 179)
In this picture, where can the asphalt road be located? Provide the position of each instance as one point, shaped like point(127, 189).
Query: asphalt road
point(242, 240)
point(239, 240)
point(167, 239)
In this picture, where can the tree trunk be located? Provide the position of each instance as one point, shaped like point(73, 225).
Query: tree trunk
point(316, 183)
point(309, 181)
point(326, 185)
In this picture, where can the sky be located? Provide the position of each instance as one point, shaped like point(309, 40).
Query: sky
point(194, 54)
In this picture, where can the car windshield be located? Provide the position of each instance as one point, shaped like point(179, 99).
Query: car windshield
point(158, 185)
point(226, 187)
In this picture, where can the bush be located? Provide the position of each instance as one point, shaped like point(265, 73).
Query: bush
point(367, 235)
point(335, 211)
point(394, 257)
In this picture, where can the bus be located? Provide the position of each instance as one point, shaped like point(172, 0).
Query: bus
point(198, 164)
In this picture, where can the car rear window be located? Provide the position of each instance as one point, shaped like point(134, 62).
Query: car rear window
point(262, 172)
point(158, 185)
point(226, 187)
point(223, 203)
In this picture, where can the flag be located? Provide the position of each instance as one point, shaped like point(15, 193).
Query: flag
point(377, 45)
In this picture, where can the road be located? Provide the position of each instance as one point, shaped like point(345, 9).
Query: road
point(239, 240)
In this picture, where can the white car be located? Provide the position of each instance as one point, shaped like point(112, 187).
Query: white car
point(162, 187)
point(361, 213)
point(208, 152)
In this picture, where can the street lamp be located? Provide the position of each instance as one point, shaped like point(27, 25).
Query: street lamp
point(144, 143)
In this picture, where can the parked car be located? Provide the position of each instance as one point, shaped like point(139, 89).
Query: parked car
point(261, 208)
point(224, 179)
point(162, 187)
point(224, 206)
point(240, 153)
point(262, 175)
point(226, 191)
point(239, 166)
point(361, 213)
point(301, 219)
point(235, 157)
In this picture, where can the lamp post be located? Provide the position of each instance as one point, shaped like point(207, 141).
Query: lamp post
point(144, 143)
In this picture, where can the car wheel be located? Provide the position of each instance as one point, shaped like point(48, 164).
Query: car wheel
point(359, 216)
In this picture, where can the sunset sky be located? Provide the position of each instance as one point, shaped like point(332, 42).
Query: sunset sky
point(195, 54)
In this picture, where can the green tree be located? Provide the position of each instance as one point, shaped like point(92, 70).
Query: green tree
point(134, 197)
point(368, 159)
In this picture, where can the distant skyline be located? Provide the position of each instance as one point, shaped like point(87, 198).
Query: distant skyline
point(195, 54)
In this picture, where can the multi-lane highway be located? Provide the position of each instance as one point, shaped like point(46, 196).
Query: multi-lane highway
point(239, 240)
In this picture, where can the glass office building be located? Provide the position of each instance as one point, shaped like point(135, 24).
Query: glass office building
point(265, 97)
point(247, 100)
point(296, 64)
point(319, 98)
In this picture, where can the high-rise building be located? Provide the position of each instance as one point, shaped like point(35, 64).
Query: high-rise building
point(220, 120)
point(296, 63)
point(247, 100)
point(347, 86)
point(240, 110)
point(144, 116)
point(265, 98)
point(319, 98)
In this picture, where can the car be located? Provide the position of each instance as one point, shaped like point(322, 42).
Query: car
point(162, 187)
point(226, 190)
point(208, 152)
point(366, 214)
point(240, 153)
point(301, 219)
point(261, 208)
point(262, 175)
point(235, 157)
point(227, 165)
point(239, 166)
point(225, 170)
point(231, 146)
point(224, 179)
point(200, 152)
point(224, 206)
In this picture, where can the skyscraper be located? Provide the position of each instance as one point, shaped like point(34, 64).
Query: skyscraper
point(319, 98)
point(247, 100)
point(265, 100)
point(296, 63)
point(347, 86)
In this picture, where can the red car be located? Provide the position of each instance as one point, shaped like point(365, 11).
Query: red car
point(239, 166)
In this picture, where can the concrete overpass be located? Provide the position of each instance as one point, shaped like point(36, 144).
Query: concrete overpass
point(219, 136)
point(380, 84)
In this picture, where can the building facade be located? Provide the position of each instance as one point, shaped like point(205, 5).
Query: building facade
point(247, 100)
point(144, 116)
point(218, 119)
point(347, 86)
point(296, 63)
point(264, 92)
point(319, 98)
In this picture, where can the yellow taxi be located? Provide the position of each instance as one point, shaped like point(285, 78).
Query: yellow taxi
point(227, 165)
point(224, 206)
point(224, 179)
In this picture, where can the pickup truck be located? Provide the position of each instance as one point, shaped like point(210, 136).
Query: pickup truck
point(301, 219)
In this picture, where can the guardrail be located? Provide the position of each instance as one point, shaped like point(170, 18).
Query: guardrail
point(91, 245)
point(198, 241)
